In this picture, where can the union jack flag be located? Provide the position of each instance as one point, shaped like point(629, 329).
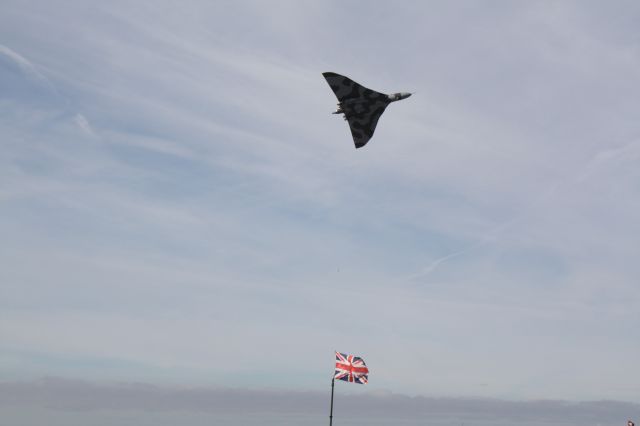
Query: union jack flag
point(351, 369)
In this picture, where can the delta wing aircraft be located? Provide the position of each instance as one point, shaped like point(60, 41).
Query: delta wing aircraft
point(361, 107)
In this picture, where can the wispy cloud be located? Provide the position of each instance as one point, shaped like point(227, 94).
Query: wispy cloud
point(83, 124)
point(23, 64)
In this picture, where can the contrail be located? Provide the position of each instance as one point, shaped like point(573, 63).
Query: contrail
point(25, 65)
point(31, 71)
point(488, 238)
point(591, 167)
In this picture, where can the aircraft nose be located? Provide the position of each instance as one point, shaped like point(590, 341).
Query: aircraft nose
point(405, 95)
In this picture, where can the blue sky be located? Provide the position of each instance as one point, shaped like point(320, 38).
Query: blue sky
point(180, 207)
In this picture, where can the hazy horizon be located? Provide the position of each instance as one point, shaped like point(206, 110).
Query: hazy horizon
point(70, 402)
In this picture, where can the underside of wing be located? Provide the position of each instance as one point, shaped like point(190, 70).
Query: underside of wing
point(345, 88)
point(361, 107)
point(363, 124)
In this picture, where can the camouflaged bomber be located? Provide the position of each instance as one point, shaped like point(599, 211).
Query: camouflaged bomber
point(361, 107)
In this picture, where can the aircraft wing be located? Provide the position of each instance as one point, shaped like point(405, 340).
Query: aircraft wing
point(345, 88)
point(363, 124)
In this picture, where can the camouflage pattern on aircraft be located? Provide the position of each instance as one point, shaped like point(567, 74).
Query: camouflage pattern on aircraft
point(361, 107)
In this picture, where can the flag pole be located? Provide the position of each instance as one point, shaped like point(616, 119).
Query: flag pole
point(333, 381)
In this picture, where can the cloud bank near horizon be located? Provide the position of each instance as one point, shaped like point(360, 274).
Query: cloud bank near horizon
point(76, 401)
